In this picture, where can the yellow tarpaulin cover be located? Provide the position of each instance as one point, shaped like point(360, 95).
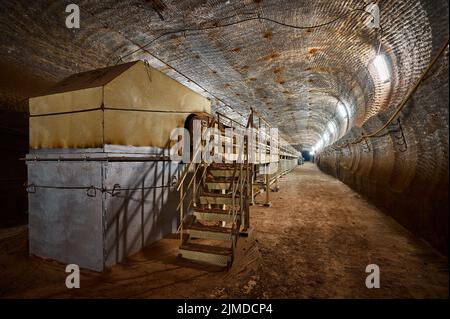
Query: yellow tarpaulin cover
point(128, 104)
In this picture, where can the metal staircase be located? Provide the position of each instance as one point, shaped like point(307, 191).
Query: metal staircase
point(213, 204)
point(220, 209)
point(215, 197)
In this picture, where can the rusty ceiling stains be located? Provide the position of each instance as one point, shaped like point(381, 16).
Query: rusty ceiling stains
point(278, 70)
point(313, 51)
point(334, 59)
point(268, 35)
point(272, 56)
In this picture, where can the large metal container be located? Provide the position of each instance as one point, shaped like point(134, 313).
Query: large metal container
point(100, 179)
point(95, 209)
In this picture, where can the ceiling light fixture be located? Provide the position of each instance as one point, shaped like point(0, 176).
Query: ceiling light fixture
point(331, 128)
point(382, 68)
point(342, 110)
point(379, 61)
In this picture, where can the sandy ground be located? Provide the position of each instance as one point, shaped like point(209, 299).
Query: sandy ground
point(314, 242)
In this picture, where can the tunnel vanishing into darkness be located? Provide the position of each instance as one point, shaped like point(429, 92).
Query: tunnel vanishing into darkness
point(368, 105)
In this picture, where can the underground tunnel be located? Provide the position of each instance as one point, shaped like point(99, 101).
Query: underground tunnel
point(224, 149)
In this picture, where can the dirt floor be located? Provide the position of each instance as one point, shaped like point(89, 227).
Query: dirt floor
point(314, 242)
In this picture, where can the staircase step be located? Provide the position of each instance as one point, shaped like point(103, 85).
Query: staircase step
point(222, 166)
point(212, 198)
point(214, 215)
point(215, 255)
point(223, 179)
point(227, 166)
point(198, 230)
point(218, 185)
point(222, 172)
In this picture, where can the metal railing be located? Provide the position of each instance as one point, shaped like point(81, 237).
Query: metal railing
point(183, 189)
point(187, 186)
point(241, 187)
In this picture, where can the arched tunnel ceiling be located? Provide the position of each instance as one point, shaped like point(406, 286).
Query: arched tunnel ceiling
point(241, 54)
